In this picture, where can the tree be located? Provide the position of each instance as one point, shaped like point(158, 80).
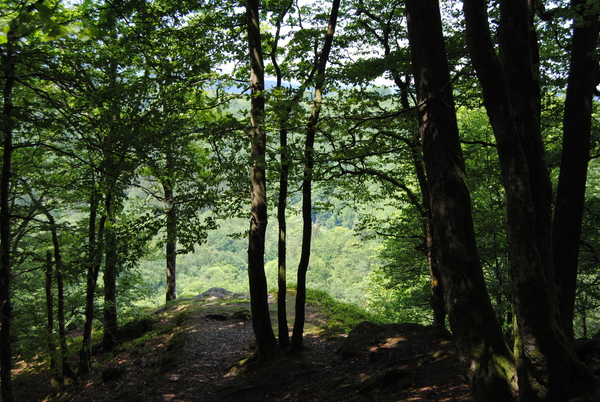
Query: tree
point(570, 193)
point(171, 226)
point(285, 164)
point(267, 348)
point(546, 362)
point(8, 66)
point(311, 129)
point(27, 21)
point(385, 124)
point(484, 354)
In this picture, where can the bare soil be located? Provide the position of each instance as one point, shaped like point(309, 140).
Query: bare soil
point(192, 353)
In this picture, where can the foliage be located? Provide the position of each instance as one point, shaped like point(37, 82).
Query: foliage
point(341, 317)
point(115, 100)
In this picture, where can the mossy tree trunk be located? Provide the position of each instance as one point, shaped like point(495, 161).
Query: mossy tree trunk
point(570, 193)
point(483, 352)
point(548, 369)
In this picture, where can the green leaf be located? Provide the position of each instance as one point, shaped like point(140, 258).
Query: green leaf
point(44, 11)
point(23, 29)
point(25, 16)
point(56, 32)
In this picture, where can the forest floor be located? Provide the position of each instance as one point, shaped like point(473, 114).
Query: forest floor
point(193, 351)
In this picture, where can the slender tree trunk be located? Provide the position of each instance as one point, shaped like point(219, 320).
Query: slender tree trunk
point(50, 316)
point(483, 352)
point(93, 269)
point(110, 170)
point(8, 64)
point(171, 246)
point(548, 369)
point(66, 370)
point(298, 330)
point(171, 227)
point(109, 339)
point(267, 348)
point(297, 333)
point(282, 324)
point(283, 329)
point(570, 194)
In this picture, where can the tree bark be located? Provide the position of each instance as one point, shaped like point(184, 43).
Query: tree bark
point(483, 352)
point(66, 370)
point(8, 66)
point(282, 324)
point(267, 348)
point(50, 317)
point(570, 193)
point(547, 366)
point(109, 339)
point(171, 246)
point(298, 330)
point(93, 269)
point(437, 300)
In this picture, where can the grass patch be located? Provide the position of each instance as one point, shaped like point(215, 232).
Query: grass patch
point(340, 317)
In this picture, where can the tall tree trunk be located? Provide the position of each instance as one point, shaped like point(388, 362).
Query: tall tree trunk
point(109, 339)
point(437, 301)
point(171, 246)
point(8, 64)
point(66, 370)
point(297, 332)
point(483, 352)
point(111, 170)
point(282, 324)
point(547, 366)
point(436, 298)
point(50, 317)
point(93, 269)
point(266, 342)
point(570, 194)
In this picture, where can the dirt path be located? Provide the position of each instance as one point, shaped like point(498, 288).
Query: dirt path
point(188, 358)
point(202, 372)
point(409, 373)
point(211, 348)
